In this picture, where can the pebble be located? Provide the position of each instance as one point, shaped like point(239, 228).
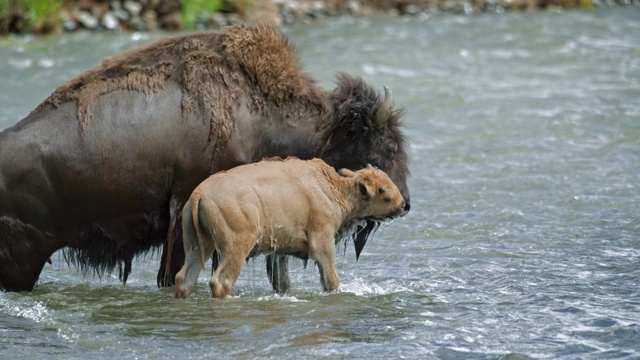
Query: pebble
point(69, 25)
point(110, 21)
point(118, 11)
point(86, 19)
point(133, 7)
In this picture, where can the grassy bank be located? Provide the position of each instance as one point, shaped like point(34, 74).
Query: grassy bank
point(36, 16)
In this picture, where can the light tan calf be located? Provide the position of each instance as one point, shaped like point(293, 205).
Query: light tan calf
point(291, 206)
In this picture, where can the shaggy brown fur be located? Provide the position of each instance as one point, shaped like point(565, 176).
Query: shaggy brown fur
point(269, 63)
point(278, 206)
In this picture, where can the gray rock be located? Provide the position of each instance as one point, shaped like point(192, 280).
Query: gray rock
point(110, 21)
point(133, 7)
point(86, 19)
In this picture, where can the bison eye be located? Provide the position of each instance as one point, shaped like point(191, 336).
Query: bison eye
point(392, 148)
point(382, 189)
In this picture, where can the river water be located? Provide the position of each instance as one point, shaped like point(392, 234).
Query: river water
point(524, 236)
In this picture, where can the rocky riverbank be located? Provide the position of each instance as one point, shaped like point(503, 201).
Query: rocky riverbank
point(145, 15)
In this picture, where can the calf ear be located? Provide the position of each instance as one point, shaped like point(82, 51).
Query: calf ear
point(346, 173)
point(364, 190)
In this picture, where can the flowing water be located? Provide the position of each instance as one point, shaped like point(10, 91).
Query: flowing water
point(524, 236)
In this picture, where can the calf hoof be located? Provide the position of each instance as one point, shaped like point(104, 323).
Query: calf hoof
point(181, 292)
point(219, 291)
point(182, 295)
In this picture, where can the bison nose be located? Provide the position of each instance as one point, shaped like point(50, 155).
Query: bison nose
point(407, 206)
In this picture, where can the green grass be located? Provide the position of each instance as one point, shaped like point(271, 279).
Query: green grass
point(196, 10)
point(38, 15)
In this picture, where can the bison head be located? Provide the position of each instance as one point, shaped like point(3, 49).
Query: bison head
point(365, 129)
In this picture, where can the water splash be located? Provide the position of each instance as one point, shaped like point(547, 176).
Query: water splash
point(364, 287)
point(34, 311)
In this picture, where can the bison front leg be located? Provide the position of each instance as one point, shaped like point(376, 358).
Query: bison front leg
point(124, 269)
point(24, 251)
point(278, 272)
point(323, 252)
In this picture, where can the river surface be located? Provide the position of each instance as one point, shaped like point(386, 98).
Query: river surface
point(523, 241)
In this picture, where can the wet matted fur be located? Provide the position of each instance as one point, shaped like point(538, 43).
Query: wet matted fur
point(269, 63)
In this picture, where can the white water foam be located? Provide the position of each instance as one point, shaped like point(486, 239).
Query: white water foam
point(283, 297)
point(34, 311)
point(362, 287)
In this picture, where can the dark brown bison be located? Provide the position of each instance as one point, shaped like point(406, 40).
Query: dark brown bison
point(104, 166)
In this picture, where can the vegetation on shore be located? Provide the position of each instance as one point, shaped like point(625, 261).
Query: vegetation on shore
point(194, 11)
point(37, 16)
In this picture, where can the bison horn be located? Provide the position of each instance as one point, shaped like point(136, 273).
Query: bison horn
point(385, 109)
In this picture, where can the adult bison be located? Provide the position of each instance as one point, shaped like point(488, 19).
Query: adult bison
point(104, 165)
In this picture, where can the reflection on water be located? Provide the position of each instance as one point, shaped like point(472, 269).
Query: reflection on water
point(522, 241)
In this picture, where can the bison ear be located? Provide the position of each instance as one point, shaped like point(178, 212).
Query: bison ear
point(346, 173)
point(364, 190)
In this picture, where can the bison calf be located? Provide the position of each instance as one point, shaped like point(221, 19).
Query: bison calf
point(293, 207)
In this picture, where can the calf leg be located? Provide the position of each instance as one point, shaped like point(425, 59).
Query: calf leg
point(187, 276)
point(323, 252)
point(234, 252)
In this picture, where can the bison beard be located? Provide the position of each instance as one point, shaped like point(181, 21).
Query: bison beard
point(103, 167)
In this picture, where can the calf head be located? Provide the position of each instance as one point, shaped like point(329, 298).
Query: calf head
point(378, 198)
